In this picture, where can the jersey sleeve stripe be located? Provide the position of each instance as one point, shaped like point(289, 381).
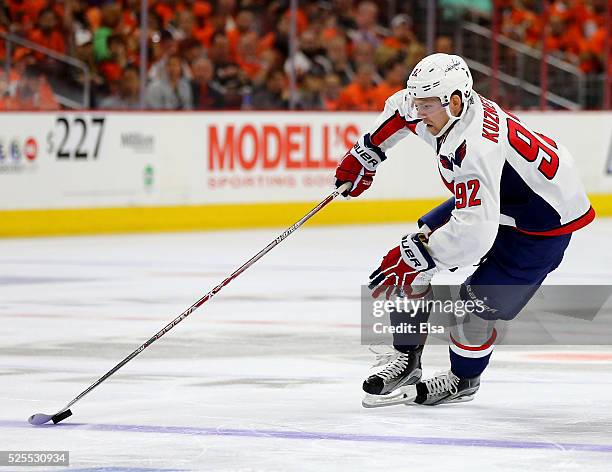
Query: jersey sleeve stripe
point(389, 127)
point(411, 125)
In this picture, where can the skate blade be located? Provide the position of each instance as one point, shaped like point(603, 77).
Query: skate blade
point(401, 396)
point(463, 399)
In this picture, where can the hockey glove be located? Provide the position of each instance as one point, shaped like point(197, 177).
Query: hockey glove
point(351, 170)
point(407, 268)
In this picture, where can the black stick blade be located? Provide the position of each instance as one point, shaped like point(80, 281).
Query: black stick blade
point(40, 418)
point(61, 416)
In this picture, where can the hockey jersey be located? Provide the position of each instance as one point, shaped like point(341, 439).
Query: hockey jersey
point(499, 170)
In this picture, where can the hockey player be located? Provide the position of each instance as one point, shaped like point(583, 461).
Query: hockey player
point(516, 200)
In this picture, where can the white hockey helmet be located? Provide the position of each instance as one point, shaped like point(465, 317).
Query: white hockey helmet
point(440, 75)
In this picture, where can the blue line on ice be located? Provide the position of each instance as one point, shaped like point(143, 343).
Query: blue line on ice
point(305, 435)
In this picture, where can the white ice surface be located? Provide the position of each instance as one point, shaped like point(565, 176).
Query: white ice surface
point(267, 376)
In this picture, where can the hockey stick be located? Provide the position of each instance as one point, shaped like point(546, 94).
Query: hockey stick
point(41, 418)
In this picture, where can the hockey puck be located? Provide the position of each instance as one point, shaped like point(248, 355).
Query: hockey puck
point(61, 416)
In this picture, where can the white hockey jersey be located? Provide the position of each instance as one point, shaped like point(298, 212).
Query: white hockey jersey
point(499, 171)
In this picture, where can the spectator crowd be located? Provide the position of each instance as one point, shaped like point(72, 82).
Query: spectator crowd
point(573, 30)
point(235, 54)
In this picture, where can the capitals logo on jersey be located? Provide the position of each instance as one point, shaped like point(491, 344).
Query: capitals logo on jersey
point(454, 159)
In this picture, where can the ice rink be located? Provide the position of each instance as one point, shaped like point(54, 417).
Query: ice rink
point(267, 376)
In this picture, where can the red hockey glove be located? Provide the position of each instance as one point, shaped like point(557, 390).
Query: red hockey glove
point(351, 170)
point(407, 268)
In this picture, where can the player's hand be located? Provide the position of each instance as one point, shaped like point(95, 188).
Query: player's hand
point(407, 268)
point(351, 170)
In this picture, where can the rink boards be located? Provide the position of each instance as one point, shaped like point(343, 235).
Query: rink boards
point(69, 173)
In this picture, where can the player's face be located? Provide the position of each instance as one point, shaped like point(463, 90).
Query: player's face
point(431, 111)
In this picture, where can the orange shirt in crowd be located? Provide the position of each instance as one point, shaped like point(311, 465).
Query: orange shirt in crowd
point(571, 39)
point(266, 42)
point(15, 104)
point(251, 69)
point(301, 19)
point(354, 97)
point(111, 71)
point(392, 43)
point(165, 12)
point(580, 12)
point(528, 20)
point(591, 49)
point(44, 100)
point(330, 33)
point(331, 104)
point(93, 16)
point(234, 35)
point(28, 10)
point(380, 94)
point(129, 20)
point(204, 34)
point(55, 41)
point(202, 9)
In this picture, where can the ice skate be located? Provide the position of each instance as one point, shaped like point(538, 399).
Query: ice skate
point(446, 387)
point(397, 369)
